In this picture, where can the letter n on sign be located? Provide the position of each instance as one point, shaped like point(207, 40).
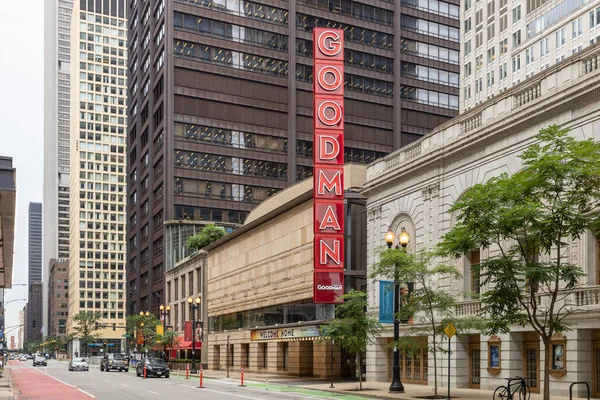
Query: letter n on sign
point(328, 181)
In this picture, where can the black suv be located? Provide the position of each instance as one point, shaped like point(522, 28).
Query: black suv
point(154, 367)
point(113, 361)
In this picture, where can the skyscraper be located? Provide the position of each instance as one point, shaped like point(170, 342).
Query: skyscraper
point(35, 243)
point(34, 331)
point(220, 105)
point(98, 154)
point(505, 42)
point(35, 271)
point(57, 102)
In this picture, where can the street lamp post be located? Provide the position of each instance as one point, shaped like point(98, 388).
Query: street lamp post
point(164, 311)
point(396, 385)
point(193, 308)
point(144, 314)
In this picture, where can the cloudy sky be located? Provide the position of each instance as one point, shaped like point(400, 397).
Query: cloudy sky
point(21, 123)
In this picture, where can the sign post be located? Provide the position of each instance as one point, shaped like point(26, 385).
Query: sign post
point(449, 330)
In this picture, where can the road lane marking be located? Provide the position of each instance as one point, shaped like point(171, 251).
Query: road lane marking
point(225, 393)
point(125, 384)
point(68, 384)
point(152, 392)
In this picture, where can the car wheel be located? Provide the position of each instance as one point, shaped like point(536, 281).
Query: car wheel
point(138, 373)
point(101, 368)
point(167, 375)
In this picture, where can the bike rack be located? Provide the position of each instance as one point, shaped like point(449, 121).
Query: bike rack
point(587, 385)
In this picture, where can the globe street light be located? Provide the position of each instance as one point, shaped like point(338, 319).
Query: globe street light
point(193, 308)
point(164, 311)
point(403, 239)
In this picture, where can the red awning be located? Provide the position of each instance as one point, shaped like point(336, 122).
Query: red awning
point(185, 345)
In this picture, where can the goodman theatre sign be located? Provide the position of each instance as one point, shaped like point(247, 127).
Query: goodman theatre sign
point(328, 181)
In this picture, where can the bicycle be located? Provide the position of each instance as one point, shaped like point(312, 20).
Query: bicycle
point(511, 389)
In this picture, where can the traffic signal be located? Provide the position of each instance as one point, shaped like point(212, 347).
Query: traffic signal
point(34, 323)
point(96, 326)
point(114, 326)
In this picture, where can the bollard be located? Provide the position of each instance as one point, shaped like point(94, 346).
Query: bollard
point(187, 371)
point(267, 384)
point(242, 377)
point(201, 376)
point(145, 372)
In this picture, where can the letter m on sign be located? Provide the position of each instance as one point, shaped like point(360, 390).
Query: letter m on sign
point(330, 183)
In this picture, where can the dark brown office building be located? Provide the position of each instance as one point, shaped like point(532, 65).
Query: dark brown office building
point(220, 103)
point(58, 291)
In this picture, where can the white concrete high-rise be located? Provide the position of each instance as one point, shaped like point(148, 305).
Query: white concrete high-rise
point(504, 42)
point(57, 66)
point(98, 166)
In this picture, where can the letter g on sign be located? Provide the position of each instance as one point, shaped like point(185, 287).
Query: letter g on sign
point(329, 43)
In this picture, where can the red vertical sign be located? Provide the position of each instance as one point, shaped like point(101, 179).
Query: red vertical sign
point(328, 180)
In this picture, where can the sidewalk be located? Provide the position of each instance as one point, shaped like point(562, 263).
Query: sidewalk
point(6, 392)
point(374, 390)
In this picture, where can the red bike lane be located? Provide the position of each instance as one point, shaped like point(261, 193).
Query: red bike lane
point(31, 384)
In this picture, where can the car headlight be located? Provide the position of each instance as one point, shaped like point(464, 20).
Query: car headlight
point(110, 362)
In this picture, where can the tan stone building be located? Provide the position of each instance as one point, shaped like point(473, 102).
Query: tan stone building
point(259, 294)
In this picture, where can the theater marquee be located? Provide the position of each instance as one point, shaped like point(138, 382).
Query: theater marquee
point(328, 180)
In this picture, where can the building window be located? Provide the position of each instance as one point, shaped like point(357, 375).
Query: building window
point(516, 39)
point(474, 275)
point(516, 14)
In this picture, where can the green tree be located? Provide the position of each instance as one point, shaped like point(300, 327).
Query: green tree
point(526, 221)
point(167, 339)
point(432, 306)
point(31, 346)
point(352, 328)
point(146, 325)
point(84, 328)
point(210, 233)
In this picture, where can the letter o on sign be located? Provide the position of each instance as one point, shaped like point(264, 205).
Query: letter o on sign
point(331, 48)
point(330, 78)
point(333, 117)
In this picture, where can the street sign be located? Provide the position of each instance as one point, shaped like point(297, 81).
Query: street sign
point(126, 335)
point(450, 330)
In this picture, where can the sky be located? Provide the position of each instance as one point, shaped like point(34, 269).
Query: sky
point(21, 124)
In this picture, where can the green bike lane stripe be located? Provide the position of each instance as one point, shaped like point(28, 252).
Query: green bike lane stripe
point(289, 389)
point(308, 392)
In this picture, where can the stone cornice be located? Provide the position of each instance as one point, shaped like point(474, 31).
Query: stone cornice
point(541, 99)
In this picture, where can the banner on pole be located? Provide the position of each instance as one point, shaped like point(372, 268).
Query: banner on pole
point(386, 302)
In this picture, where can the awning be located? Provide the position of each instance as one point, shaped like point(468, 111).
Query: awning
point(185, 345)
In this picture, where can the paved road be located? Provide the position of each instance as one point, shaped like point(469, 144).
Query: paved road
point(126, 386)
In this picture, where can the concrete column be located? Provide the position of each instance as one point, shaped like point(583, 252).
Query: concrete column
point(306, 359)
point(255, 362)
point(377, 360)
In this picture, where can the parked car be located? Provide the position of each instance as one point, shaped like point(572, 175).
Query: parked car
point(79, 364)
point(113, 361)
point(23, 358)
point(39, 360)
point(154, 367)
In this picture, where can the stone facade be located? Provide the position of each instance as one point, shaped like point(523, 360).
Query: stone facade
point(414, 188)
point(260, 277)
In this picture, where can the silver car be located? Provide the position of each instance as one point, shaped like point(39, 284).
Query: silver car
point(79, 364)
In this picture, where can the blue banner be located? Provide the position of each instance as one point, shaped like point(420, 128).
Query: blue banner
point(386, 302)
